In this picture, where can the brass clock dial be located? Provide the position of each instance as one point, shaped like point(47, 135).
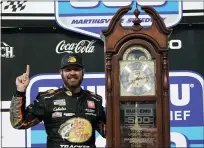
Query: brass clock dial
point(137, 78)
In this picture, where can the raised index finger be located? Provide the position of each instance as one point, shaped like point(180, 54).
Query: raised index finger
point(28, 70)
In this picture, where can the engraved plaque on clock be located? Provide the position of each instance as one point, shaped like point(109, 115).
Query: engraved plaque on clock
point(135, 118)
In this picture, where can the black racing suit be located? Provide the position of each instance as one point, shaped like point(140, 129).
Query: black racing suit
point(70, 120)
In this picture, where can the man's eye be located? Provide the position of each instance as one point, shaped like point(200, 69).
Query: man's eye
point(77, 69)
point(67, 70)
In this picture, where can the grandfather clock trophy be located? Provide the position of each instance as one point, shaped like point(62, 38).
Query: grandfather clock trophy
point(137, 82)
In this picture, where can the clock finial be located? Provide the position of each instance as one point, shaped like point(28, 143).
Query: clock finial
point(136, 23)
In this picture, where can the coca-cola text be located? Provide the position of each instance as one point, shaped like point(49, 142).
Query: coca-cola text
point(84, 46)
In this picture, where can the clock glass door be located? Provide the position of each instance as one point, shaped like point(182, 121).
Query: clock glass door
point(137, 98)
point(137, 123)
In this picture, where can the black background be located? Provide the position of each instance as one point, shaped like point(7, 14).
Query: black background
point(191, 55)
point(36, 47)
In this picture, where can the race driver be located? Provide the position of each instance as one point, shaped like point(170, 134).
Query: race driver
point(70, 114)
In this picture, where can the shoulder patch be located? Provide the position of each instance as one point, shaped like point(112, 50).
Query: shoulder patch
point(50, 92)
point(93, 94)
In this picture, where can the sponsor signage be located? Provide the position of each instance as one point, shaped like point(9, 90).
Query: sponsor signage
point(186, 106)
point(91, 17)
point(83, 46)
point(6, 51)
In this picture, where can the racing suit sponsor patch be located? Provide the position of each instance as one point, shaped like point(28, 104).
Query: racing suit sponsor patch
point(91, 104)
point(69, 114)
point(59, 108)
point(96, 99)
point(74, 146)
point(92, 114)
point(90, 110)
point(56, 114)
point(76, 130)
point(60, 102)
point(49, 96)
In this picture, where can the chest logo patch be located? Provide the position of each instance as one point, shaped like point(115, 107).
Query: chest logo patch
point(76, 130)
point(60, 102)
point(59, 108)
point(91, 104)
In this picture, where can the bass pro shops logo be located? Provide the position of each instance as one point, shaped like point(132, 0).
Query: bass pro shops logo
point(91, 17)
point(186, 106)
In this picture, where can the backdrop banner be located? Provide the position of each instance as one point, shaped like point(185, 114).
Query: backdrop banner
point(43, 52)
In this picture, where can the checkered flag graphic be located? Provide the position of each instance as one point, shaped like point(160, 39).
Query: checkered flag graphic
point(3, 44)
point(14, 5)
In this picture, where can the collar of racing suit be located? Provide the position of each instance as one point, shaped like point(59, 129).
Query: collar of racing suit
point(73, 94)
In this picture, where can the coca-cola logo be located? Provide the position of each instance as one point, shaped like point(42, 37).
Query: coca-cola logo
point(83, 46)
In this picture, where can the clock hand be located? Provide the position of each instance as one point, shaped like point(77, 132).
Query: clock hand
point(139, 78)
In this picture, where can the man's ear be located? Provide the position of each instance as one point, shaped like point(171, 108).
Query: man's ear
point(83, 71)
point(60, 71)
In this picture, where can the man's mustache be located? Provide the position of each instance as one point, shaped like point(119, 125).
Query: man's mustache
point(70, 77)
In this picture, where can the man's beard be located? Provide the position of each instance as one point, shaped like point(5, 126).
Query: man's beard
point(72, 85)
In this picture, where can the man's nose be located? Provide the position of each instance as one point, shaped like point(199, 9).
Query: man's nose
point(72, 72)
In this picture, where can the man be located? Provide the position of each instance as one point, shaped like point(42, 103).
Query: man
point(70, 114)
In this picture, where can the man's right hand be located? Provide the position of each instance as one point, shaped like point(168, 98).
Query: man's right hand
point(23, 80)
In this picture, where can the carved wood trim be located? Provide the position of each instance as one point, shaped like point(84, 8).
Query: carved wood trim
point(116, 32)
point(109, 100)
point(136, 23)
point(157, 20)
point(139, 39)
point(115, 20)
point(165, 101)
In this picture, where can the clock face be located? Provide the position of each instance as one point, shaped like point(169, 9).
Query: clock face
point(136, 53)
point(138, 77)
